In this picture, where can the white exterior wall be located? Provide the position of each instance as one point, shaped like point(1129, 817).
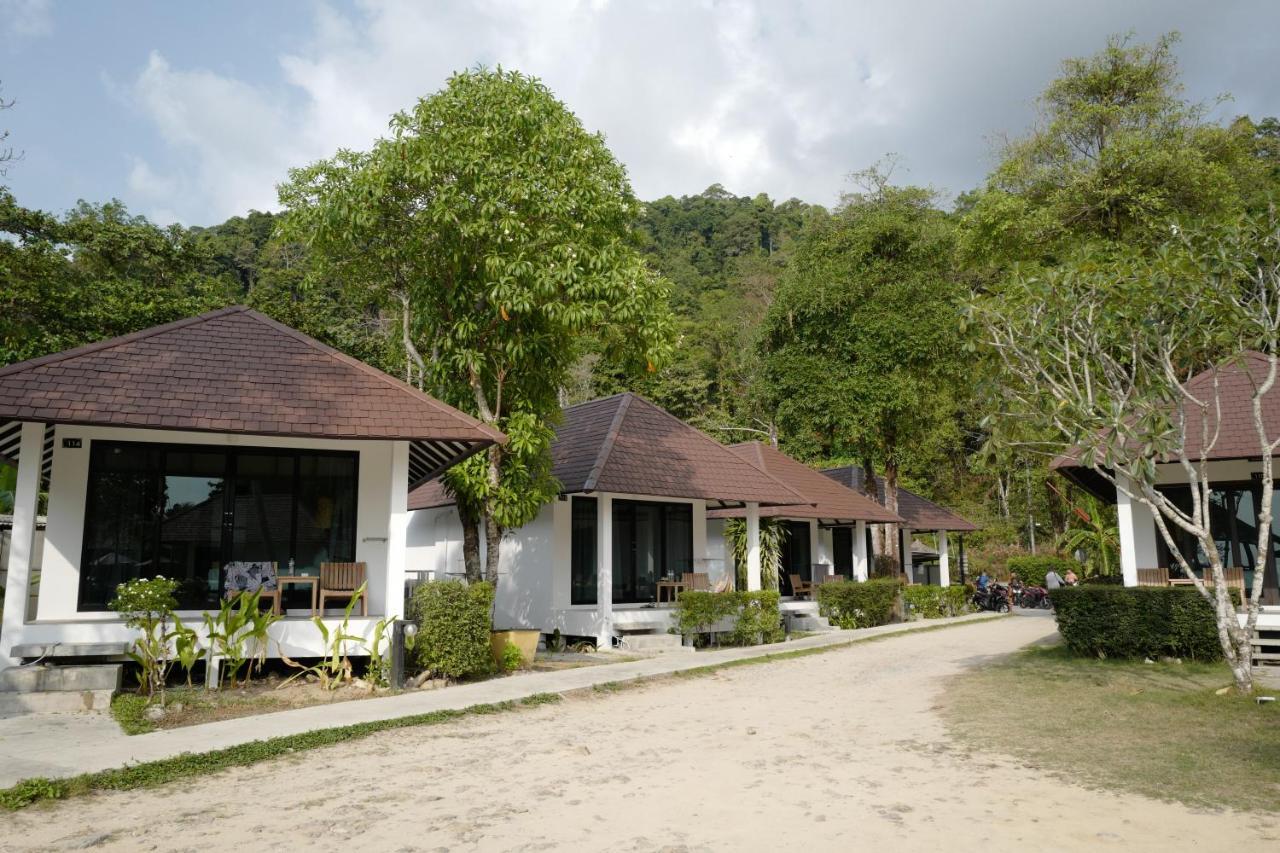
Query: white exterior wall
point(381, 528)
point(434, 549)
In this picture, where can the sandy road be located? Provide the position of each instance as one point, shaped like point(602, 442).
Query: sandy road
point(839, 751)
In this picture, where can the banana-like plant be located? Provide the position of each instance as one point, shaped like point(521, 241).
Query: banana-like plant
point(238, 635)
point(186, 646)
point(334, 668)
point(771, 535)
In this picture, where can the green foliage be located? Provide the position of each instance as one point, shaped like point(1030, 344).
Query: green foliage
point(377, 672)
point(238, 635)
point(129, 710)
point(936, 602)
point(499, 230)
point(192, 765)
point(1136, 622)
point(1032, 568)
point(512, 660)
point(878, 382)
point(759, 620)
point(1093, 529)
point(756, 615)
point(8, 487)
point(886, 566)
point(859, 605)
point(772, 534)
point(147, 606)
point(454, 624)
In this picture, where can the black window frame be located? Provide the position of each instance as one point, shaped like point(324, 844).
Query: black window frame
point(231, 455)
point(621, 507)
point(584, 555)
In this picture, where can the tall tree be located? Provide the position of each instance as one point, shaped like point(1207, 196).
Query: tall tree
point(503, 233)
point(861, 343)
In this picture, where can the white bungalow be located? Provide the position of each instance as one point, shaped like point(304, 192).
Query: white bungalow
point(637, 485)
point(184, 448)
point(1234, 472)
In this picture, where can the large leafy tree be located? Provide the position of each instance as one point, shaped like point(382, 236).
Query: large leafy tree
point(861, 343)
point(501, 232)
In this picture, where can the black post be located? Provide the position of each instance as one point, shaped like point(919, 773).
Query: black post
point(397, 655)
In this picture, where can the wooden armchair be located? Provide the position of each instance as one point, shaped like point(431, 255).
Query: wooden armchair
point(700, 581)
point(1153, 577)
point(344, 581)
point(800, 587)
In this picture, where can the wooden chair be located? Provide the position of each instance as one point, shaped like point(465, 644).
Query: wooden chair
point(1153, 577)
point(343, 580)
point(699, 581)
point(800, 586)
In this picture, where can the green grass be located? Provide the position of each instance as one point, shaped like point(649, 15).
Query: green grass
point(127, 710)
point(189, 765)
point(1155, 729)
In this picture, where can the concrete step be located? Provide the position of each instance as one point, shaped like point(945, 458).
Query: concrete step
point(42, 678)
point(649, 644)
point(55, 702)
point(810, 624)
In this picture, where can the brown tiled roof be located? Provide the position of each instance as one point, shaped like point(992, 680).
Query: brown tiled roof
point(917, 513)
point(626, 445)
point(831, 501)
point(1237, 439)
point(235, 370)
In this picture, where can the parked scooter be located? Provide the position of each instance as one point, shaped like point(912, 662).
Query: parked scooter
point(1035, 597)
point(995, 598)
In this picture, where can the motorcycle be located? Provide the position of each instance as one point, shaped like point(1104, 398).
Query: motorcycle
point(995, 597)
point(1035, 597)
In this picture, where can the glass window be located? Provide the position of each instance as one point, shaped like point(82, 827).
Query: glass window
point(651, 542)
point(1233, 519)
point(842, 544)
point(582, 552)
point(184, 512)
point(795, 555)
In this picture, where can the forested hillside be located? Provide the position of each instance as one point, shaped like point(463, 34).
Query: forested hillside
point(838, 333)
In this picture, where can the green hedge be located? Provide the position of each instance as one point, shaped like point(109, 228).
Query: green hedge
point(1136, 622)
point(1033, 568)
point(936, 602)
point(454, 623)
point(755, 614)
point(850, 604)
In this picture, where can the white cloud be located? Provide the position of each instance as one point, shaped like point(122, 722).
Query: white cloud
point(757, 95)
point(27, 17)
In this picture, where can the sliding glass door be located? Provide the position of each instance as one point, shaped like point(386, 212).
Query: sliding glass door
point(651, 542)
point(184, 512)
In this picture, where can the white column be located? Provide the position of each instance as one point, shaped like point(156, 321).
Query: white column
point(397, 532)
point(907, 568)
point(25, 502)
point(1137, 537)
point(604, 571)
point(860, 572)
point(944, 559)
point(753, 546)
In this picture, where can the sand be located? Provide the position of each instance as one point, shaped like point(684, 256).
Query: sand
point(839, 751)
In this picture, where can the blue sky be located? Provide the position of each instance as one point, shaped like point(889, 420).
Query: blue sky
point(192, 112)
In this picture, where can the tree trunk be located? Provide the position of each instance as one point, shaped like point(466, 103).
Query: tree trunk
point(891, 504)
point(471, 549)
point(492, 530)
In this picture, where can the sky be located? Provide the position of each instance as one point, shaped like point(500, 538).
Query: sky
point(193, 112)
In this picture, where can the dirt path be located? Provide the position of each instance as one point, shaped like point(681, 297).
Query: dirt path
point(838, 751)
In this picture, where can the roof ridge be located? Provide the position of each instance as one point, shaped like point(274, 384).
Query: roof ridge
point(374, 372)
point(606, 446)
point(131, 337)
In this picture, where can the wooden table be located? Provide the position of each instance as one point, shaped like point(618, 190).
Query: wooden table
point(1181, 582)
point(674, 588)
point(311, 580)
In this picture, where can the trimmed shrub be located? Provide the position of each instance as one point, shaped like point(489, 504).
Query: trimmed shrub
point(851, 604)
point(1136, 622)
point(1033, 568)
point(755, 614)
point(1104, 580)
point(936, 602)
point(454, 623)
point(758, 619)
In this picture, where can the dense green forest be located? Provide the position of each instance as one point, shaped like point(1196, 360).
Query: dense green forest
point(838, 333)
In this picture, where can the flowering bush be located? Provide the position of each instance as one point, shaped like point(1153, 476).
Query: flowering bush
point(147, 606)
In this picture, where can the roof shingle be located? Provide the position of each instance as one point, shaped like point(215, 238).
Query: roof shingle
point(231, 370)
point(917, 513)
